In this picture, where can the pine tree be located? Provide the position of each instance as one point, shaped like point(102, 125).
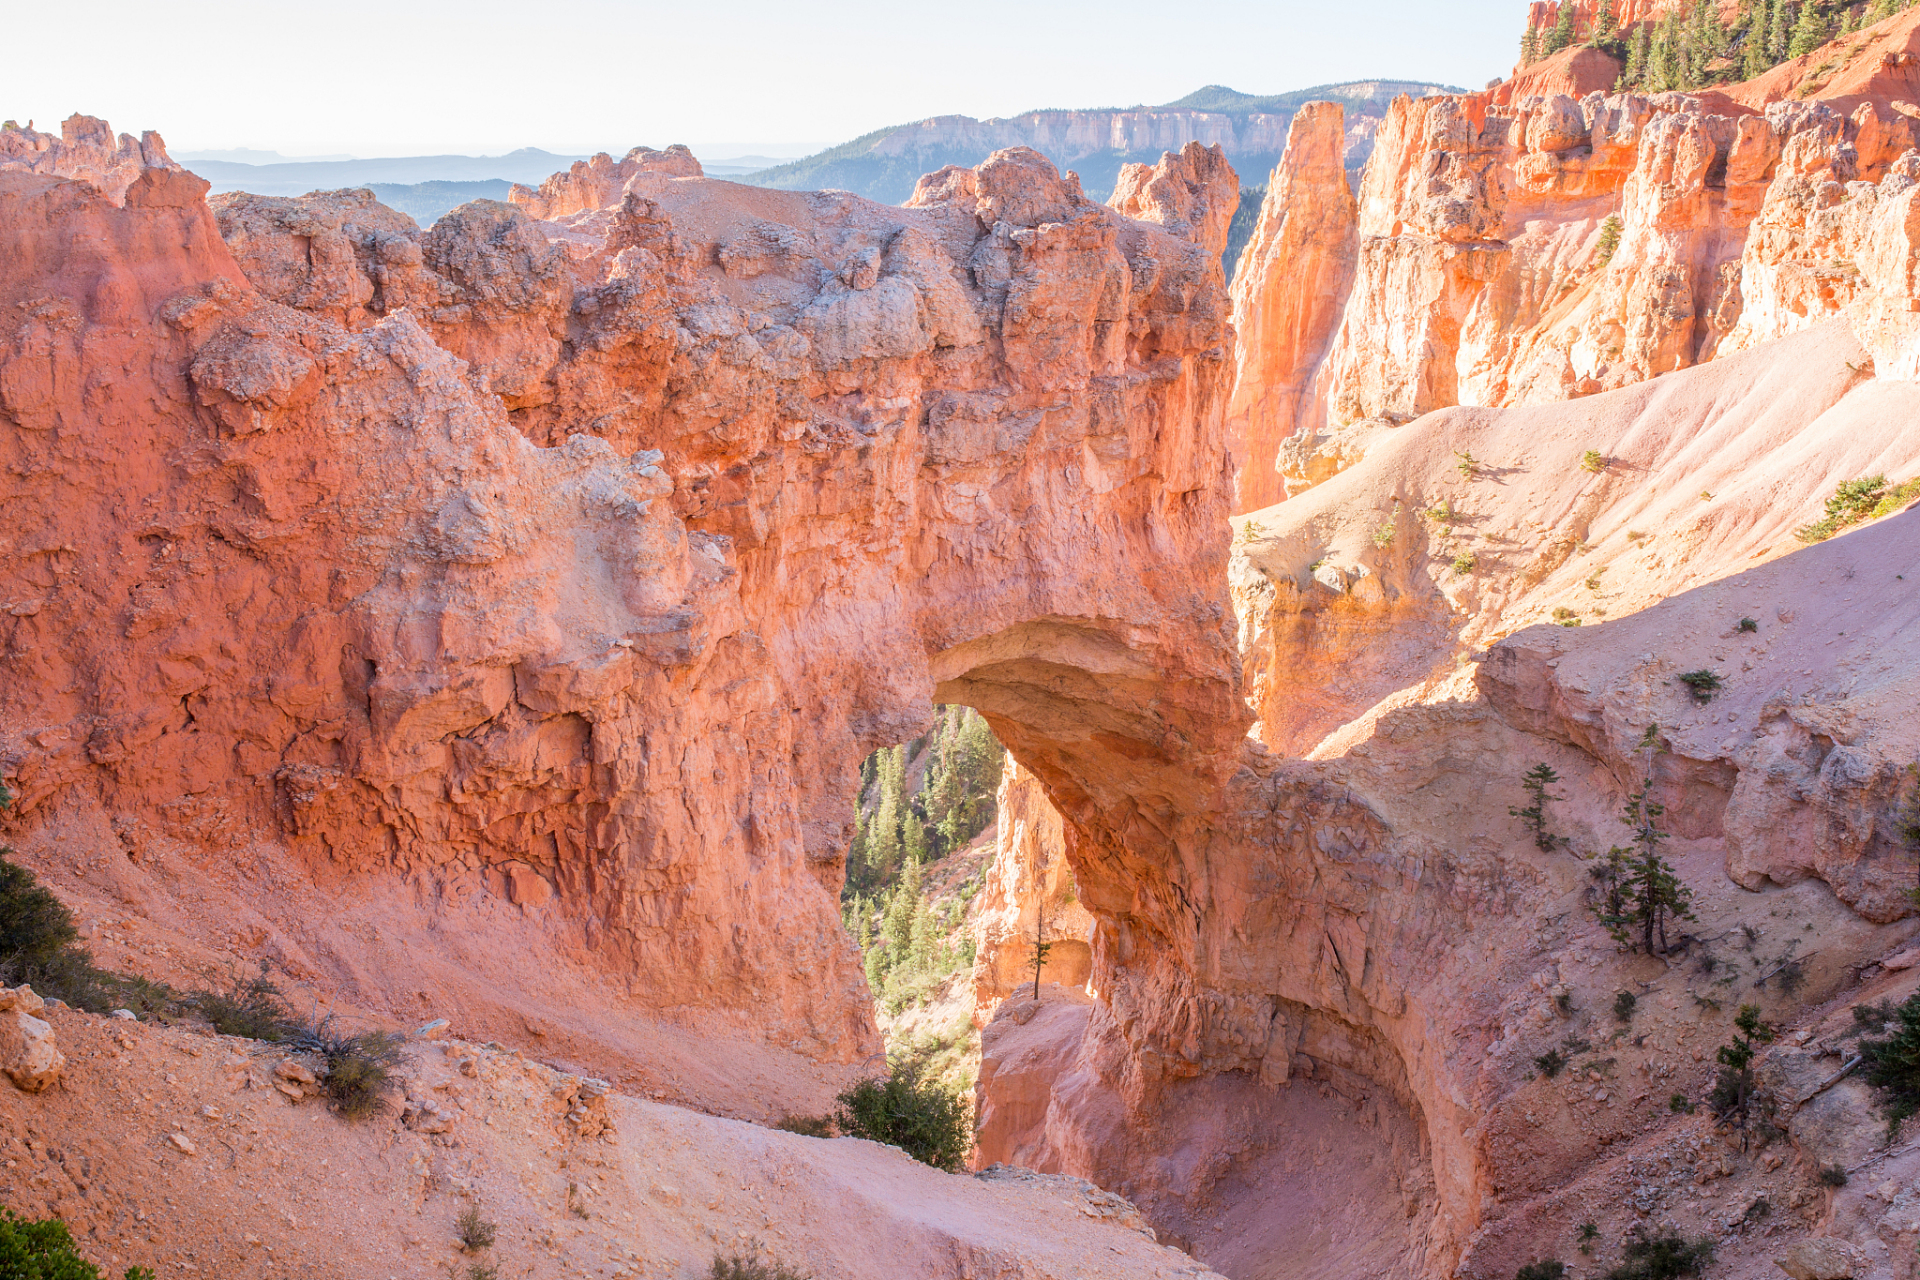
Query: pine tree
point(1653, 890)
point(1039, 948)
point(1604, 22)
point(1733, 1092)
point(1777, 34)
point(1809, 33)
point(883, 832)
point(1536, 781)
point(1635, 72)
point(1754, 59)
point(1562, 34)
point(1530, 47)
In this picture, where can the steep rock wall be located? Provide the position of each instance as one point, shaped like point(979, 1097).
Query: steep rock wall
point(1520, 250)
point(1372, 928)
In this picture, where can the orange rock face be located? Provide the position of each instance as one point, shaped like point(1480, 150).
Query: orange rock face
point(602, 182)
point(494, 618)
point(1288, 291)
point(1555, 248)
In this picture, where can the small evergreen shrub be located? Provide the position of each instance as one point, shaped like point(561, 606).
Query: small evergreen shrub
point(1856, 501)
point(1748, 624)
point(1833, 1175)
point(356, 1070)
point(38, 946)
point(44, 1251)
point(250, 1006)
point(1551, 1063)
point(1463, 563)
point(1465, 463)
point(474, 1230)
point(1702, 684)
point(751, 1265)
point(909, 1110)
point(1892, 1064)
point(1609, 244)
point(1623, 1004)
point(1680, 1104)
point(1565, 616)
point(1661, 1257)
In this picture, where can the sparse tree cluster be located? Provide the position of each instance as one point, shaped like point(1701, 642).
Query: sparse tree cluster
point(1691, 47)
point(908, 823)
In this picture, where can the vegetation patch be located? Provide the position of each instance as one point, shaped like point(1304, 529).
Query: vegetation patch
point(44, 1250)
point(1891, 1063)
point(908, 1109)
point(1857, 501)
point(753, 1265)
point(1701, 684)
point(1662, 1256)
point(356, 1069)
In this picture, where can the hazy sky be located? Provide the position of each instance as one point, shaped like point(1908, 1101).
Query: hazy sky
point(397, 77)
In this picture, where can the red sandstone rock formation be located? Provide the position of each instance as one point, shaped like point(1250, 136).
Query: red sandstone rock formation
point(602, 182)
point(1482, 278)
point(503, 630)
point(1371, 927)
point(87, 150)
point(1027, 882)
point(1288, 290)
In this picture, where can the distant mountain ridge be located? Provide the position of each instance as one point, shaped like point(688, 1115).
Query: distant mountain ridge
point(1250, 128)
point(297, 177)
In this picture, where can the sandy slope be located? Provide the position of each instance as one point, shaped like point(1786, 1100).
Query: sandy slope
point(258, 1186)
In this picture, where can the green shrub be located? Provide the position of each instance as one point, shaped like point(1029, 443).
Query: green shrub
point(1383, 536)
point(1833, 1175)
point(356, 1070)
point(1855, 501)
point(44, 1251)
point(1661, 1257)
point(38, 946)
point(1550, 1063)
point(752, 1266)
point(474, 1230)
point(1679, 1103)
point(1593, 461)
point(1748, 624)
point(1623, 1004)
point(1546, 1269)
point(1892, 1064)
point(250, 1006)
point(1609, 244)
point(929, 1122)
point(1565, 616)
point(35, 926)
point(1463, 563)
point(1702, 684)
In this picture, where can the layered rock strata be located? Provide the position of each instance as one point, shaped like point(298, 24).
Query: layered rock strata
point(1545, 248)
point(499, 614)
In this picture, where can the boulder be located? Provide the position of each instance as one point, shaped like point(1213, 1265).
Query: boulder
point(1820, 1258)
point(28, 1054)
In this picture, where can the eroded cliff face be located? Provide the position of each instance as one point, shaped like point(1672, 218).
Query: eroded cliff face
point(499, 614)
point(1520, 250)
point(1370, 951)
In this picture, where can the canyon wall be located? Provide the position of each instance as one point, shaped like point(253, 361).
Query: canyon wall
point(1544, 248)
point(1370, 950)
point(1251, 131)
point(498, 615)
